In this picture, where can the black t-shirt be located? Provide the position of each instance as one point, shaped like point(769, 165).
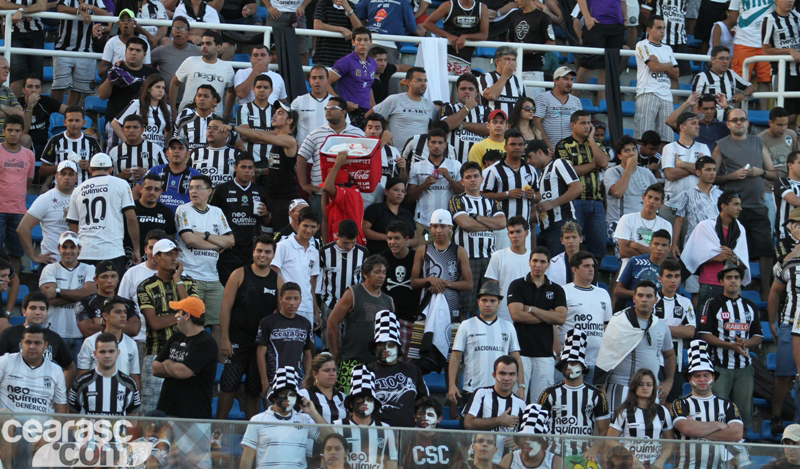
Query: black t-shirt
point(56, 351)
point(380, 216)
point(398, 387)
point(255, 299)
point(282, 177)
point(535, 340)
point(158, 217)
point(380, 87)
point(237, 205)
point(429, 450)
point(122, 96)
point(91, 306)
point(531, 28)
point(286, 340)
point(232, 10)
point(40, 120)
point(398, 285)
point(189, 398)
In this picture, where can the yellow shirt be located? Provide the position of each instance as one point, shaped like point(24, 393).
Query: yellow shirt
point(479, 149)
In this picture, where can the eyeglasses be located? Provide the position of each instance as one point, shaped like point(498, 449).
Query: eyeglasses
point(527, 108)
point(738, 120)
point(332, 108)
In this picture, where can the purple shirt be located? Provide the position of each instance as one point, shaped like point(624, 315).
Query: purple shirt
point(356, 78)
point(605, 11)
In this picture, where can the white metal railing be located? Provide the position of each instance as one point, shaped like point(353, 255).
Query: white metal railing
point(780, 94)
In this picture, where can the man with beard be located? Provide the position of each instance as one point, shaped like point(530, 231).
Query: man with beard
point(370, 441)
point(282, 445)
point(397, 384)
point(426, 449)
point(791, 458)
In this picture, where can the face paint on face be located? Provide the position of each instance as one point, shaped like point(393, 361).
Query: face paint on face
point(361, 411)
point(574, 371)
point(535, 448)
point(389, 353)
point(430, 417)
point(287, 402)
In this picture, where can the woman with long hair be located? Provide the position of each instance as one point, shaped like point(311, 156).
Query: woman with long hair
point(640, 417)
point(152, 107)
point(318, 387)
point(378, 216)
point(521, 118)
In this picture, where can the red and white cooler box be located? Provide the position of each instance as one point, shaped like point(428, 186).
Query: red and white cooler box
point(364, 169)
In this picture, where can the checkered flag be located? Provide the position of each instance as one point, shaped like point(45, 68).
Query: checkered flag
point(574, 347)
point(534, 420)
point(285, 377)
point(387, 327)
point(362, 382)
point(699, 360)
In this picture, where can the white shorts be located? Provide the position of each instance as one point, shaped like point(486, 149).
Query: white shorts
point(70, 73)
point(633, 12)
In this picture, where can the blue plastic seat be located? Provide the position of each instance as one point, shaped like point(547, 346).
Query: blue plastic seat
point(767, 332)
point(603, 286)
point(23, 291)
point(436, 382)
point(486, 52)
point(235, 414)
point(753, 296)
point(755, 270)
point(16, 320)
point(241, 58)
point(36, 234)
point(687, 388)
point(95, 104)
point(47, 74)
point(609, 264)
point(262, 12)
point(587, 106)
point(772, 361)
point(29, 199)
point(758, 117)
point(49, 46)
point(632, 62)
point(628, 108)
point(593, 81)
point(408, 48)
point(685, 86)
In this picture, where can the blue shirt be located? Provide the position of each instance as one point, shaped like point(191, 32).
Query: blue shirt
point(637, 269)
point(175, 186)
point(356, 79)
point(384, 16)
point(710, 133)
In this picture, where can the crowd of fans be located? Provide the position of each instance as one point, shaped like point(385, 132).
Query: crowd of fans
point(208, 221)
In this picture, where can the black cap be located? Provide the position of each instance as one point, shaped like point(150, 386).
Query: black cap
point(103, 267)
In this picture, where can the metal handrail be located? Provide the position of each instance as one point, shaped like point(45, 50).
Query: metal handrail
point(781, 92)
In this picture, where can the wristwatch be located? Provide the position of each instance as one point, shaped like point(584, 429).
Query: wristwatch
point(207, 235)
point(58, 292)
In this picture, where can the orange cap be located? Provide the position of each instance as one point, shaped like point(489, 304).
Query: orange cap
point(192, 305)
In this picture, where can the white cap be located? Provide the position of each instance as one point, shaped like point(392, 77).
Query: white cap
point(67, 164)
point(296, 203)
point(165, 245)
point(69, 236)
point(441, 216)
point(562, 72)
point(100, 160)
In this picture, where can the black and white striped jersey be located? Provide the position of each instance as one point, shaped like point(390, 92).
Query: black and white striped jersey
point(216, 163)
point(330, 409)
point(552, 184)
point(258, 119)
point(144, 155)
point(574, 410)
point(59, 148)
point(155, 124)
point(27, 24)
point(728, 319)
point(479, 244)
point(75, 35)
point(94, 394)
point(486, 403)
point(368, 446)
point(782, 187)
point(500, 178)
point(674, 13)
point(782, 32)
point(460, 138)
point(788, 274)
point(729, 83)
point(416, 150)
point(506, 100)
point(703, 409)
point(631, 423)
point(193, 127)
point(339, 270)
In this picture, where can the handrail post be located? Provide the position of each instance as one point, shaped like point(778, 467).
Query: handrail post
point(781, 81)
point(268, 37)
point(520, 53)
point(7, 40)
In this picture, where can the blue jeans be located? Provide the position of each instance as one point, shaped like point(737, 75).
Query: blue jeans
point(8, 233)
point(591, 216)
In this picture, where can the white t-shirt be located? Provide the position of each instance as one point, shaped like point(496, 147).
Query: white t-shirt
point(751, 14)
point(278, 87)
point(127, 289)
point(61, 319)
point(437, 195)
point(127, 361)
point(280, 445)
point(633, 227)
point(26, 389)
point(557, 271)
point(97, 206)
point(194, 71)
point(210, 16)
point(114, 51)
point(481, 344)
point(588, 310)
point(505, 266)
point(155, 11)
point(287, 6)
point(311, 114)
point(200, 264)
point(648, 81)
point(675, 150)
point(298, 265)
point(50, 209)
